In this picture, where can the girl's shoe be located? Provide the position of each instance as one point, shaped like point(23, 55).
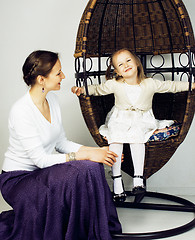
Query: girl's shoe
point(138, 189)
point(121, 197)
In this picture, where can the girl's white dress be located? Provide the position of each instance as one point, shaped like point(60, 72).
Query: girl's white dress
point(128, 126)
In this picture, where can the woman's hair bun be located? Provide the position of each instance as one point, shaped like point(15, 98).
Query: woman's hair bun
point(38, 63)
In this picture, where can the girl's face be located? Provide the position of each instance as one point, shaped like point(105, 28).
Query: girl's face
point(53, 80)
point(125, 64)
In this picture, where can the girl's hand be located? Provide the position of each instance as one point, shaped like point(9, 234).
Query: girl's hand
point(193, 85)
point(77, 90)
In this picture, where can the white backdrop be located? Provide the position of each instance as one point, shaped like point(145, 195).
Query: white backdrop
point(26, 26)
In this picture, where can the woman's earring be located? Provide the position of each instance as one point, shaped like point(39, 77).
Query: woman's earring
point(43, 90)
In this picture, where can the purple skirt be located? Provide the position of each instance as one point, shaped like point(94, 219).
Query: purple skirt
point(70, 201)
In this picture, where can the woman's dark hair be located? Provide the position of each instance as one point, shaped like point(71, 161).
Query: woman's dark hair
point(111, 74)
point(38, 63)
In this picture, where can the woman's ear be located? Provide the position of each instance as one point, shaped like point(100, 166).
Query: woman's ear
point(40, 80)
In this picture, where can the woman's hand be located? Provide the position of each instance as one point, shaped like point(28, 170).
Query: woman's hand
point(96, 154)
point(77, 90)
point(103, 155)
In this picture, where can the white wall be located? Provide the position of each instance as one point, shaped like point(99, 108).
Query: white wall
point(52, 25)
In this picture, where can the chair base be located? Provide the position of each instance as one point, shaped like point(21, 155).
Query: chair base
point(184, 206)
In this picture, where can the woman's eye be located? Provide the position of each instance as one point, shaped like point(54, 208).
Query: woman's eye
point(128, 60)
point(120, 65)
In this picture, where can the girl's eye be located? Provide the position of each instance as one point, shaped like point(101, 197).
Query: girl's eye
point(128, 60)
point(120, 65)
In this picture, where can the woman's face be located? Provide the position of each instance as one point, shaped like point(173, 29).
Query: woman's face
point(125, 64)
point(53, 80)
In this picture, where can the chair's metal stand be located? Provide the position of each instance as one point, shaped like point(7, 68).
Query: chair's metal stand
point(182, 206)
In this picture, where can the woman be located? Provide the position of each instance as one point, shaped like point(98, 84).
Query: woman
point(54, 196)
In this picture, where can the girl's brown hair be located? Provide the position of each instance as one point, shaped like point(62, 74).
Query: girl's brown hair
point(111, 74)
point(38, 63)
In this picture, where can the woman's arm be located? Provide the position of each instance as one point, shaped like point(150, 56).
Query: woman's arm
point(95, 154)
point(63, 145)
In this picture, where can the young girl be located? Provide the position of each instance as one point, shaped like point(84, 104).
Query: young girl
point(131, 120)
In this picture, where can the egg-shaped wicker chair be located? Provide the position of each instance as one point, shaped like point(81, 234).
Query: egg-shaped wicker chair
point(160, 33)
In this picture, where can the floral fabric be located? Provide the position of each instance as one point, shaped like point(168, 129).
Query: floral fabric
point(166, 133)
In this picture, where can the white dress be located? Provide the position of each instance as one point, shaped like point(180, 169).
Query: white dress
point(128, 126)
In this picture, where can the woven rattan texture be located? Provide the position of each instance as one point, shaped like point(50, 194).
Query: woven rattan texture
point(143, 26)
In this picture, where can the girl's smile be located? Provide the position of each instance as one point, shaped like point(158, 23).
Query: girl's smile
point(128, 69)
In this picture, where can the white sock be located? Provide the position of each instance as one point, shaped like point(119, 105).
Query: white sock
point(138, 157)
point(116, 168)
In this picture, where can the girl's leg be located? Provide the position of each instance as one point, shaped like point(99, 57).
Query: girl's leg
point(116, 168)
point(138, 157)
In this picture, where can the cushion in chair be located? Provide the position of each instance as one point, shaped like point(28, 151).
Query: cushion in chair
point(166, 133)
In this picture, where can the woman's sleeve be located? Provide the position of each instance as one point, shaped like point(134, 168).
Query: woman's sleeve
point(170, 86)
point(64, 145)
point(27, 136)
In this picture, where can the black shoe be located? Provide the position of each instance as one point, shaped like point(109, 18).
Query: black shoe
point(138, 189)
point(121, 197)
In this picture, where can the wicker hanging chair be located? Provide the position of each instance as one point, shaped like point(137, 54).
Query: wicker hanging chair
point(149, 28)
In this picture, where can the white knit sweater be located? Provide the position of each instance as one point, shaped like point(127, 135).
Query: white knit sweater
point(148, 86)
point(33, 139)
